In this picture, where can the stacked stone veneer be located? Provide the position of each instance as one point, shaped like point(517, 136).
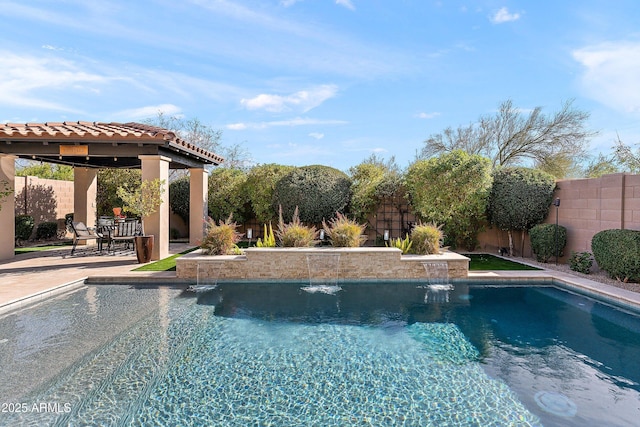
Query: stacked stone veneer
point(291, 264)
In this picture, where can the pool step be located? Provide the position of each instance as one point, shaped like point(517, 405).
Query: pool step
point(119, 375)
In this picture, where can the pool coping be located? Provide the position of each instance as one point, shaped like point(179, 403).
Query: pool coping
point(40, 296)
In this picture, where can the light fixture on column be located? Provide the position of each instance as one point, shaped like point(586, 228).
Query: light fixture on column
point(385, 236)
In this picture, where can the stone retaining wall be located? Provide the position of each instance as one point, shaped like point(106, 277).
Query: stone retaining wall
point(341, 263)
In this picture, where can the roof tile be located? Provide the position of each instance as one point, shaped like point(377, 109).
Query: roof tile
point(84, 129)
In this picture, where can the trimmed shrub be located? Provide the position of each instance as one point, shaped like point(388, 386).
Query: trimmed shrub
point(452, 190)
point(543, 241)
point(344, 232)
point(221, 237)
point(46, 230)
point(226, 194)
point(427, 239)
point(179, 198)
point(294, 234)
point(259, 187)
point(519, 199)
point(618, 253)
point(317, 192)
point(580, 262)
point(24, 227)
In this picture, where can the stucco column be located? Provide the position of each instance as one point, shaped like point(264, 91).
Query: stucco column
point(85, 190)
point(7, 207)
point(157, 224)
point(198, 207)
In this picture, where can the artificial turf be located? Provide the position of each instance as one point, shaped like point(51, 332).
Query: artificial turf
point(491, 262)
point(29, 249)
point(166, 264)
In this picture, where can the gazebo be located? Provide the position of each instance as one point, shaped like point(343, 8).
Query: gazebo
point(88, 146)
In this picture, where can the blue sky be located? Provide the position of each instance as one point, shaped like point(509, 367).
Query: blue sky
point(321, 81)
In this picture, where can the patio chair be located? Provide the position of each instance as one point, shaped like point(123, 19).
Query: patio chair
point(82, 232)
point(123, 231)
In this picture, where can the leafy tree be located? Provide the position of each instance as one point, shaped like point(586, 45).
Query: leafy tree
point(143, 199)
point(509, 137)
point(372, 181)
point(179, 197)
point(46, 171)
point(259, 187)
point(452, 189)
point(520, 198)
point(602, 165)
point(108, 182)
point(318, 191)
point(626, 158)
point(226, 194)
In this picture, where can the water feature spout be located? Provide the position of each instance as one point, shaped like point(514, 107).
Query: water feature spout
point(323, 272)
point(207, 275)
point(438, 286)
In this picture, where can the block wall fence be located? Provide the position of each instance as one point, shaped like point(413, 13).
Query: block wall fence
point(587, 206)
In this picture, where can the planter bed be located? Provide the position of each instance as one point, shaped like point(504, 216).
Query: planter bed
point(364, 263)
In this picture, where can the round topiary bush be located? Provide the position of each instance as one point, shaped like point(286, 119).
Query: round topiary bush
point(318, 192)
point(618, 253)
point(543, 241)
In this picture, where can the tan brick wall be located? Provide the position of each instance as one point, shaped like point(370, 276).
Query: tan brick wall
point(46, 200)
point(291, 264)
point(587, 206)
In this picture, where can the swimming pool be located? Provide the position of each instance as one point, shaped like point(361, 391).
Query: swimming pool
point(291, 354)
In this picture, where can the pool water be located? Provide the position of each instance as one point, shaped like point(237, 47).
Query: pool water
point(293, 355)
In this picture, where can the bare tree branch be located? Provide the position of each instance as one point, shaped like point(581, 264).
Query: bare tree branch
point(510, 138)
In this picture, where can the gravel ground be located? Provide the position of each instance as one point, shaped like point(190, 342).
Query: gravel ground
point(595, 275)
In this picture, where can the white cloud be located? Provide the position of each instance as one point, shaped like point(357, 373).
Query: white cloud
point(610, 75)
point(298, 121)
point(25, 80)
point(149, 112)
point(287, 3)
point(50, 47)
point(316, 135)
point(237, 126)
point(303, 100)
point(427, 115)
point(346, 3)
point(503, 15)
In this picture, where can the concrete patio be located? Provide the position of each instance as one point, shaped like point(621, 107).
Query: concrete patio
point(37, 275)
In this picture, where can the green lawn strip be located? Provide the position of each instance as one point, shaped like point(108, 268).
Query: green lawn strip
point(29, 249)
point(481, 262)
point(166, 264)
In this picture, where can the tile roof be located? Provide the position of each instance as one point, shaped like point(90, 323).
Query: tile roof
point(107, 132)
